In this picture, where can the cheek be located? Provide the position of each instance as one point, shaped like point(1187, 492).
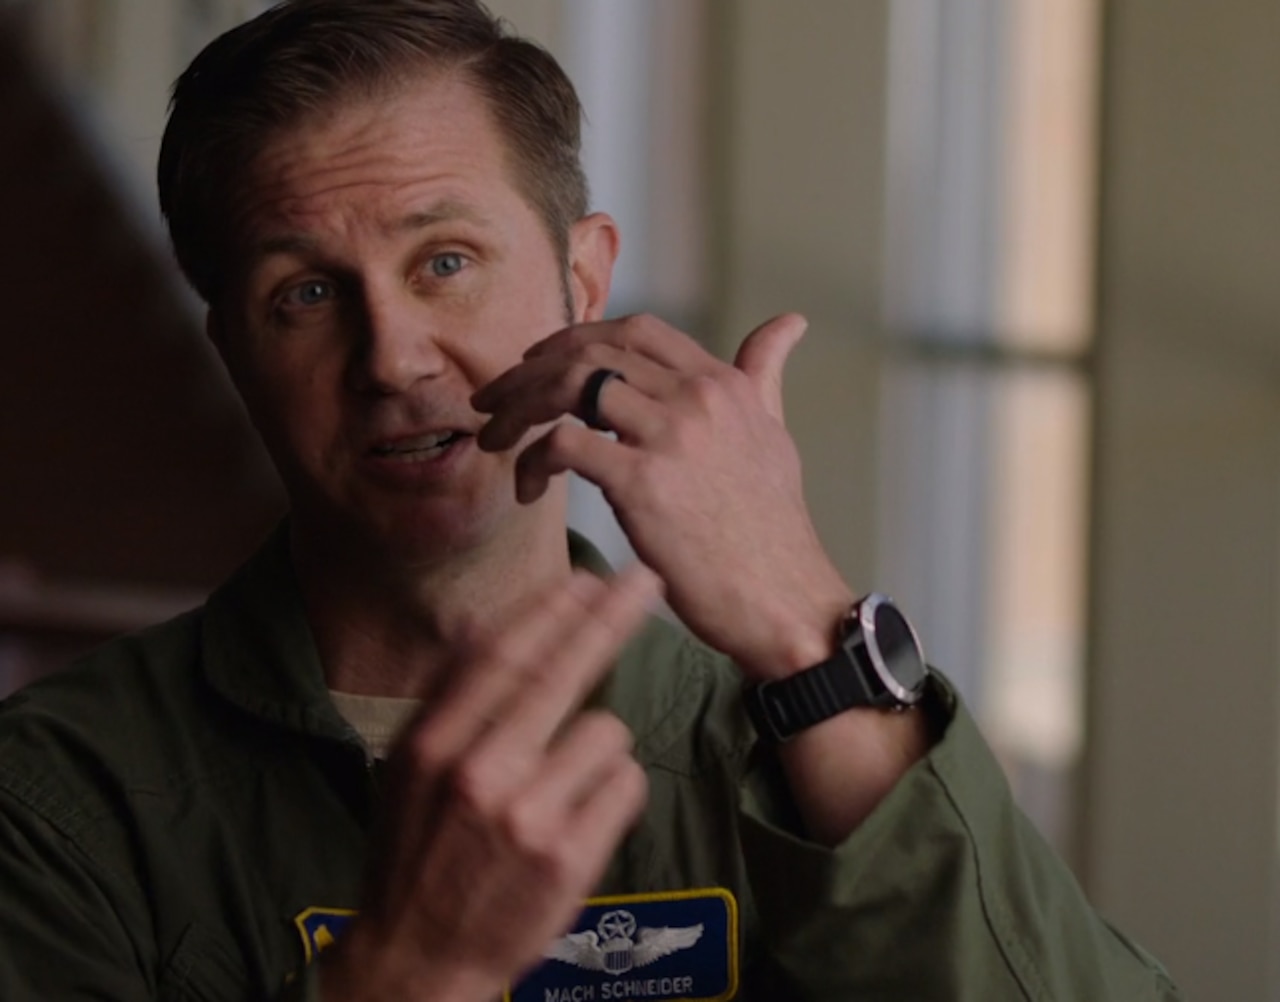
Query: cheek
point(293, 399)
point(535, 310)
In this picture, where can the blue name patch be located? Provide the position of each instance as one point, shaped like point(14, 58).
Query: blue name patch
point(680, 945)
point(320, 928)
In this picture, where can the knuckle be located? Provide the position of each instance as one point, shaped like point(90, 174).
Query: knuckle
point(706, 392)
point(471, 785)
point(428, 753)
point(639, 329)
point(548, 850)
point(558, 438)
point(595, 355)
point(632, 323)
point(636, 781)
point(523, 827)
point(500, 654)
point(606, 731)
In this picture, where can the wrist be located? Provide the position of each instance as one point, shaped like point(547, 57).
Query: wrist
point(361, 970)
point(798, 637)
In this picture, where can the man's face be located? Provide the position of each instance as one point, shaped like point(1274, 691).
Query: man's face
point(391, 268)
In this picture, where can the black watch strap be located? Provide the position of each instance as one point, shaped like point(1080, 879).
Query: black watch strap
point(782, 708)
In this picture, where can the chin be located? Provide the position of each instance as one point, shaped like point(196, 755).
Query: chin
point(418, 532)
point(427, 536)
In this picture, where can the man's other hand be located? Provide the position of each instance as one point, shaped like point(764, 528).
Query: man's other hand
point(702, 474)
point(504, 805)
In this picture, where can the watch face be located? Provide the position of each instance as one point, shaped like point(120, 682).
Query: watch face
point(899, 651)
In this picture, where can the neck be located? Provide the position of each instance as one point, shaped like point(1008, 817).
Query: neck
point(386, 627)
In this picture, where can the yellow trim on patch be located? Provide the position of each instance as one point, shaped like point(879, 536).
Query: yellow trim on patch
point(731, 903)
point(300, 920)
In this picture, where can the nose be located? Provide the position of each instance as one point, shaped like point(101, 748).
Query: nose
point(396, 345)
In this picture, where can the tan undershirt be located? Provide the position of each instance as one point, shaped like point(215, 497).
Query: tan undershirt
point(377, 719)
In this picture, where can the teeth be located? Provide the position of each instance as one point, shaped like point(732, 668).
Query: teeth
point(420, 444)
point(427, 441)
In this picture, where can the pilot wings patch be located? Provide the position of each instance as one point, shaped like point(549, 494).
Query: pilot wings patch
point(610, 947)
point(679, 945)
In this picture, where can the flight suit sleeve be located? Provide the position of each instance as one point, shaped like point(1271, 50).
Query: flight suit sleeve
point(945, 892)
point(74, 930)
point(61, 936)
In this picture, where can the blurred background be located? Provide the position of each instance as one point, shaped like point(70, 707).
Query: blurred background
point(1039, 401)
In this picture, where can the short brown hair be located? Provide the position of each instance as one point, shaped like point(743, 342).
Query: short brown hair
point(306, 56)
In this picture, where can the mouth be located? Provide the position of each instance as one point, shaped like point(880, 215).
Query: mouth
point(417, 448)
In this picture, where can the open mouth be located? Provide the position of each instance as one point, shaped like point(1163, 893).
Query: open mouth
point(419, 448)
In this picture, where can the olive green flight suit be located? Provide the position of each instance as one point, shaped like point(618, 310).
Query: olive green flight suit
point(170, 806)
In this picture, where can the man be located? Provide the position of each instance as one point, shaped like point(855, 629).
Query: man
point(381, 203)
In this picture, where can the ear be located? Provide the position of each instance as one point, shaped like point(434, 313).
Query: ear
point(593, 249)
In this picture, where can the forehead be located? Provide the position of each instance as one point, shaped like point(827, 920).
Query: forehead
point(434, 138)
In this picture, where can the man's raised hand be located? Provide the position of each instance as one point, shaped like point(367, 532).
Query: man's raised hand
point(504, 805)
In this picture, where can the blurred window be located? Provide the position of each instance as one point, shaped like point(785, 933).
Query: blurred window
point(987, 399)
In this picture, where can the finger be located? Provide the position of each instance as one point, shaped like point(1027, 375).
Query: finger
point(763, 356)
point(509, 756)
point(572, 368)
point(434, 743)
point(473, 698)
point(570, 672)
point(602, 820)
point(640, 334)
point(570, 447)
point(537, 392)
point(585, 756)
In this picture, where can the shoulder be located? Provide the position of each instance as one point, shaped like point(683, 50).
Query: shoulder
point(107, 723)
point(682, 700)
point(116, 681)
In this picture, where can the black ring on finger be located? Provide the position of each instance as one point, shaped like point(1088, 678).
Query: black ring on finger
point(589, 403)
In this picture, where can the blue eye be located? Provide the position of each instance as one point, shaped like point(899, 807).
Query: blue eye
point(311, 293)
point(444, 265)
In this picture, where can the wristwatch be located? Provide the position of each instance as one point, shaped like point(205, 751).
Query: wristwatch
point(879, 663)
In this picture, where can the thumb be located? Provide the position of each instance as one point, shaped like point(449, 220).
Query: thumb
point(764, 354)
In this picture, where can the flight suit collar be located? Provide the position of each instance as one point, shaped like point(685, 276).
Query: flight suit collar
point(258, 649)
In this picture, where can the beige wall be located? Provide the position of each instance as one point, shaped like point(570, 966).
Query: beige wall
point(801, 189)
point(1182, 834)
point(540, 19)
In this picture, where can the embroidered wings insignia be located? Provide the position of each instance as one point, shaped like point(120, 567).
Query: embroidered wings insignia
point(652, 944)
point(581, 949)
point(612, 948)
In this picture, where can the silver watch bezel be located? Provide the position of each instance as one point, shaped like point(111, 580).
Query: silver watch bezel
point(864, 616)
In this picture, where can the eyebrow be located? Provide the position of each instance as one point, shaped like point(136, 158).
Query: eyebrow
point(444, 211)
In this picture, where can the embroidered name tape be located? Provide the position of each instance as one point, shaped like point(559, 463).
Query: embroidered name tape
point(320, 928)
point(681, 945)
